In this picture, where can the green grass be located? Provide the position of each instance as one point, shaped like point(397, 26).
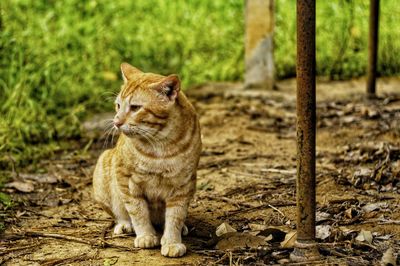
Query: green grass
point(59, 60)
point(342, 38)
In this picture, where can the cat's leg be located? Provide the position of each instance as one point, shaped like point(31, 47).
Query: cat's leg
point(175, 215)
point(138, 211)
point(106, 192)
point(101, 185)
point(122, 219)
point(157, 214)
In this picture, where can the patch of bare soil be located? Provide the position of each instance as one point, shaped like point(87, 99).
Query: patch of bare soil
point(246, 182)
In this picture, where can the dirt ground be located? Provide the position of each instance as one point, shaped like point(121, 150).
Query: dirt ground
point(246, 179)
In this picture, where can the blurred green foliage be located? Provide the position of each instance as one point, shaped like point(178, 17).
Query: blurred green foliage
point(342, 38)
point(59, 60)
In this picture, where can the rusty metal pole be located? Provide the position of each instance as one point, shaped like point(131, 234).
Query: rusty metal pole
point(305, 247)
point(372, 47)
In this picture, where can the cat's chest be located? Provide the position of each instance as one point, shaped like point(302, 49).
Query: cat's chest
point(156, 186)
point(165, 168)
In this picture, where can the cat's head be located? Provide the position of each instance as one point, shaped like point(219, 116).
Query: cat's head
point(145, 101)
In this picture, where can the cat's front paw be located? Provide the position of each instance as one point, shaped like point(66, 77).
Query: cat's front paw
point(123, 227)
point(173, 250)
point(147, 241)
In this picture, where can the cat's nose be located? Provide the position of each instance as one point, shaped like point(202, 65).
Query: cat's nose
point(118, 123)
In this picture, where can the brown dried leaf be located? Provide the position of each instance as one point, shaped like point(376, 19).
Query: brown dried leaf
point(365, 236)
point(290, 239)
point(223, 229)
point(40, 178)
point(234, 240)
point(257, 227)
point(323, 231)
point(348, 213)
point(21, 186)
point(322, 216)
point(374, 206)
point(388, 258)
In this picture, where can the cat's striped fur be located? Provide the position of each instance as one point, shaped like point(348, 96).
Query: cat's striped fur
point(149, 177)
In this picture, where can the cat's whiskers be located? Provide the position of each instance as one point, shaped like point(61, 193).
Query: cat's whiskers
point(114, 130)
point(109, 95)
point(107, 133)
point(108, 130)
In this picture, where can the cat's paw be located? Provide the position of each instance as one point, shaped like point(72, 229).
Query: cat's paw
point(147, 241)
point(123, 227)
point(173, 250)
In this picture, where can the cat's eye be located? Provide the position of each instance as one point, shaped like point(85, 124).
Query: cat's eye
point(135, 107)
point(118, 106)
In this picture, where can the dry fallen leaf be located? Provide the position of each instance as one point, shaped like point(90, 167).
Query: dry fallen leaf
point(40, 178)
point(364, 236)
point(323, 231)
point(290, 239)
point(223, 229)
point(349, 213)
point(346, 231)
point(374, 206)
point(21, 186)
point(234, 240)
point(20, 213)
point(388, 258)
point(257, 227)
point(362, 172)
point(322, 216)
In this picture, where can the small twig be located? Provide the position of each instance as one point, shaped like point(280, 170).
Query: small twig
point(285, 204)
point(229, 161)
point(276, 209)
point(358, 243)
point(68, 260)
point(390, 222)
point(104, 232)
point(120, 236)
point(101, 244)
point(339, 201)
point(279, 171)
point(221, 259)
point(8, 250)
point(228, 200)
point(335, 253)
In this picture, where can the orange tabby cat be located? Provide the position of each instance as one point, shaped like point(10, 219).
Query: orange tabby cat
point(149, 178)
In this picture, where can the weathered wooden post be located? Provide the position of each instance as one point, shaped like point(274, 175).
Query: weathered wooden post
point(259, 59)
point(372, 47)
point(305, 247)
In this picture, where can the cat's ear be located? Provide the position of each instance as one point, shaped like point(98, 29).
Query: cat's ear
point(128, 71)
point(169, 86)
